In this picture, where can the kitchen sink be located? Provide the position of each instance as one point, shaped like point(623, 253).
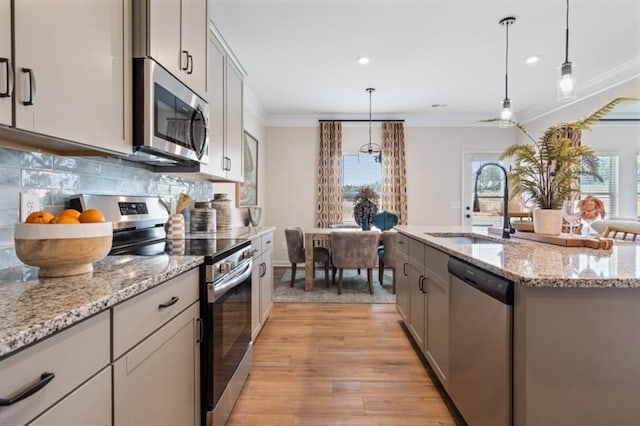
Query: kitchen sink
point(467, 239)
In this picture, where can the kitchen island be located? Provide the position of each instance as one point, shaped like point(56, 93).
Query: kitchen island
point(576, 348)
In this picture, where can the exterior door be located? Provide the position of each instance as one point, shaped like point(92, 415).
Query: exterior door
point(489, 190)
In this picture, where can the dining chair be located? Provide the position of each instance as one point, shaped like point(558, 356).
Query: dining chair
point(621, 231)
point(385, 220)
point(353, 250)
point(295, 249)
point(387, 256)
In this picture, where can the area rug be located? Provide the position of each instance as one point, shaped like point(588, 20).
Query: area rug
point(354, 289)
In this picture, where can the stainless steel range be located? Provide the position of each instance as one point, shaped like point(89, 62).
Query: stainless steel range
point(225, 291)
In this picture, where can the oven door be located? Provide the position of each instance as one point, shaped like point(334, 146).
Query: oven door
point(227, 327)
point(170, 120)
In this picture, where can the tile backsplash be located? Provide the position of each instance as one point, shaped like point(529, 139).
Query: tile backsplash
point(55, 178)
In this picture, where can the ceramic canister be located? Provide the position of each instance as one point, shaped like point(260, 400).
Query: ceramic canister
point(222, 204)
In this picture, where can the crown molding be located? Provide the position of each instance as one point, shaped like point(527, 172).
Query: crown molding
point(254, 106)
point(410, 120)
point(612, 78)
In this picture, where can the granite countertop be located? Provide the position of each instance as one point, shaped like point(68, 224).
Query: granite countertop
point(536, 264)
point(248, 232)
point(32, 308)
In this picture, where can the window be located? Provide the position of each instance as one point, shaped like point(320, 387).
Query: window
point(607, 191)
point(358, 171)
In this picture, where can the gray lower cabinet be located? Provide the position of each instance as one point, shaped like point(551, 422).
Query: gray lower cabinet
point(422, 299)
point(261, 283)
point(402, 283)
point(90, 404)
point(157, 382)
point(67, 364)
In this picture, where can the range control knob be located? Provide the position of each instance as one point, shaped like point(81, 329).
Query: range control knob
point(247, 254)
point(224, 267)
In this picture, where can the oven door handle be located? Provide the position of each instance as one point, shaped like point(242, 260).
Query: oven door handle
point(220, 289)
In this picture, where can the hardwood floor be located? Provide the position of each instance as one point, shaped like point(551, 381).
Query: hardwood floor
point(337, 364)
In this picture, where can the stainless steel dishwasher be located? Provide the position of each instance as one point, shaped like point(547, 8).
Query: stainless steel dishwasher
point(480, 375)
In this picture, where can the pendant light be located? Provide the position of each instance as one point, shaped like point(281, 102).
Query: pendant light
point(372, 149)
point(567, 84)
point(506, 114)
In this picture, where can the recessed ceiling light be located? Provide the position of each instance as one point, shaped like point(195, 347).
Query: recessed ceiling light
point(533, 59)
point(439, 105)
point(364, 60)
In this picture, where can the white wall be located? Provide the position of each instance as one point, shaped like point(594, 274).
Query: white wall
point(622, 139)
point(434, 157)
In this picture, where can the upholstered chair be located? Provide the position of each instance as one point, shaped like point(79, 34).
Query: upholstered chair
point(295, 249)
point(387, 256)
point(353, 250)
point(384, 220)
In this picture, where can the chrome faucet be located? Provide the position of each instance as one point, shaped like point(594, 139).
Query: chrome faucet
point(507, 230)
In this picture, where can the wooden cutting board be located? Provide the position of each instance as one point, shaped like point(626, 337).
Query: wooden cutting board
point(560, 240)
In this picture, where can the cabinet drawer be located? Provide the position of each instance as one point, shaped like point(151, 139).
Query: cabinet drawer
point(436, 261)
point(267, 242)
point(403, 243)
point(73, 355)
point(416, 253)
point(135, 319)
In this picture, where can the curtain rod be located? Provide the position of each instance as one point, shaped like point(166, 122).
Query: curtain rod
point(361, 121)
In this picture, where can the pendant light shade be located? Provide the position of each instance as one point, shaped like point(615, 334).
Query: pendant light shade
point(370, 148)
point(567, 84)
point(506, 113)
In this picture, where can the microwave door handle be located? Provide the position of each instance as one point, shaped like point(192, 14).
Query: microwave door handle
point(221, 289)
point(198, 148)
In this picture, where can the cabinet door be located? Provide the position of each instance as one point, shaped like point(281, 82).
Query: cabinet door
point(233, 119)
point(90, 404)
point(437, 335)
point(402, 290)
point(266, 286)
point(164, 35)
point(194, 41)
point(255, 297)
point(417, 306)
point(215, 98)
point(156, 383)
point(76, 80)
point(5, 62)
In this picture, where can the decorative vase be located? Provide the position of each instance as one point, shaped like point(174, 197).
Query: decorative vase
point(547, 221)
point(222, 204)
point(366, 223)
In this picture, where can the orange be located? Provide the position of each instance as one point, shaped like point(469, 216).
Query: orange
point(64, 219)
point(91, 216)
point(39, 216)
point(70, 212)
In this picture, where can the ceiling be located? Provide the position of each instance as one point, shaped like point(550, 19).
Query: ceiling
point(301, 55)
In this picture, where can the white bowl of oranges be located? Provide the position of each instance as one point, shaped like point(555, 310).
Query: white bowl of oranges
point(63, 245)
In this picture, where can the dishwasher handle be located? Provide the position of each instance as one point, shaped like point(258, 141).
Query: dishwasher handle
point(497, 287)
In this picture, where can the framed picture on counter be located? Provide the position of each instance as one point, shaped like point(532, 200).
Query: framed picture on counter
point(247, 191)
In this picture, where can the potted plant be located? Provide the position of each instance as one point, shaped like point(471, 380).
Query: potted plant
point(547, 171)
point(365, 206)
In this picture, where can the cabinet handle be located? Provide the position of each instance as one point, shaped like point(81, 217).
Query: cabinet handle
point(185, 54)
point(32, 86)
point(263, 269)
point(189, 64)
point(45, 378)
point(200, 330)
point(229, 159)
point(404, 269)
point(423, 286)
point(171, 302)
point(420, 283)
point(9, 80)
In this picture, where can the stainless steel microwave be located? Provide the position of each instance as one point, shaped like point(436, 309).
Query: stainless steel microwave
point(170, 121)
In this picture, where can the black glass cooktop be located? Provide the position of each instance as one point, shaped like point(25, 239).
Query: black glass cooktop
point(209, 247)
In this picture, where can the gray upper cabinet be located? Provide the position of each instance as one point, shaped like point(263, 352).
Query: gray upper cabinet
point(225, 96)
point(6, 74)
point(72, 79)
point(177, 38)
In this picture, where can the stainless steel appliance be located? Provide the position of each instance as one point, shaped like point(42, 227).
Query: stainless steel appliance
point(170, 121)
point(481, 345)
point(225, 291)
